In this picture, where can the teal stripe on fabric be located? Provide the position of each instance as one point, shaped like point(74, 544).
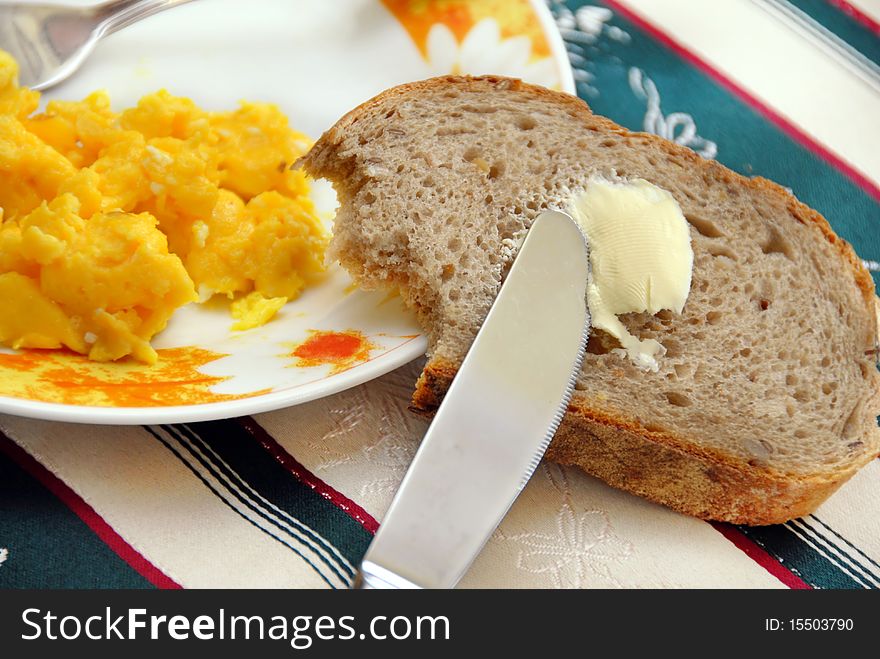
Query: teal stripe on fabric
point(847, 554)
point(746, 141)
point(799, 557)
point(179, 455)
point(847, 547)
point(48, 545)
point(846, 27)
point(243, 492)
point(264, 474)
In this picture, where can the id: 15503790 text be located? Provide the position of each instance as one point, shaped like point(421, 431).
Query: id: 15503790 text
point(808, 624)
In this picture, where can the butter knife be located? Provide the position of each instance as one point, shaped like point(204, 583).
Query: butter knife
point(496, 419)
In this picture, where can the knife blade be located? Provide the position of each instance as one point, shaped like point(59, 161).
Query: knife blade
point(496, 420)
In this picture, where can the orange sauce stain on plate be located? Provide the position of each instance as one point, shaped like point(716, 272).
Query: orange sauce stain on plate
point(59, 376)
point(341, 350)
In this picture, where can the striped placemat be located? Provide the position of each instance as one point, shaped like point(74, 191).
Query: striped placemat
point(788, 89)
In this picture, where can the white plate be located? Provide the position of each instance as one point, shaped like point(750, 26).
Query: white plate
point(316, 60)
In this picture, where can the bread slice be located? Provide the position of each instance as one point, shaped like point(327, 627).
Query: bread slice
point(766, 400)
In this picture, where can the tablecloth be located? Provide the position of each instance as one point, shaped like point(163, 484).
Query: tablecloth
point(788, 89)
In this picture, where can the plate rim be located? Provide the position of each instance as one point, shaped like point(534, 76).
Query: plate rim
point(557, 46)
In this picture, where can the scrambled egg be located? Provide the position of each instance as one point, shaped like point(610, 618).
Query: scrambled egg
point(111, 221)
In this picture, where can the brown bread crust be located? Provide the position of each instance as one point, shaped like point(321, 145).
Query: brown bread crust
point(702, 484)
point(660, 468)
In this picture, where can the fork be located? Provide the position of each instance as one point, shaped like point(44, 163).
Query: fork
point(51, 41)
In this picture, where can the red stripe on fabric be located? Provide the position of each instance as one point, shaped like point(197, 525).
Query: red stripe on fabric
point(87, 514)
point(856, 14)
point(306, 477)
point(761, 557)
point(769, 113)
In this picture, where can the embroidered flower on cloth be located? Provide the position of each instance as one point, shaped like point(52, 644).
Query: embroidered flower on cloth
point(581, 546)
point(583, 542)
